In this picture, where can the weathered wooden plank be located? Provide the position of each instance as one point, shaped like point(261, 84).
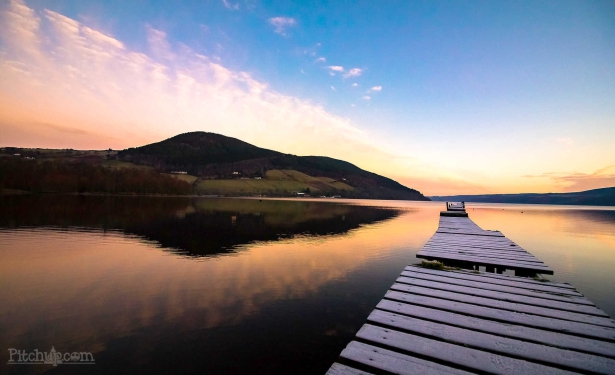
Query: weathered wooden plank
point(568, 359)
point(490, 236)
point(460, 237)
point(462, 228)
point(507, 249)
point(453, 231)
point(452, 224)
point(518, 258)
point(451, 220)
point(468, 241)
point(394, 362)
point(339, 369)
point(449, 238)
point(459, 227)
point(480, 252)
point(525, 279)
point(483, 245)
point(540, 268)
point(483, 232)
point(537, 321)
point(455, 354)
point(512, 251)
point(480, 259)
point(506, 305)
point(513, 281)
point(454, 221)
point(589, 309)
point(498, 288)
point(540, 336)
point(490, 247)
point(475, 245)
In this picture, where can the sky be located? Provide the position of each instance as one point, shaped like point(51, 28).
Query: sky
point(447, 97)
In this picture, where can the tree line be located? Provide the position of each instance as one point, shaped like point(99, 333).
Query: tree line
point(82, 177)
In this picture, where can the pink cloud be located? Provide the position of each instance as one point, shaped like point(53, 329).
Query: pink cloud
point(83, 87)
point(573, 182)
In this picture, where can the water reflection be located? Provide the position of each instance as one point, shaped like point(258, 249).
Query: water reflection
point(194, 227)
point(578, 243)
point(242, 286)
point(96, 282)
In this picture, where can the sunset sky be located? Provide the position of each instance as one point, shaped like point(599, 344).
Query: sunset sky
point(447, 97)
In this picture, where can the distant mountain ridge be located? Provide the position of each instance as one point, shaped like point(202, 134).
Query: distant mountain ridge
point(215, 156)
point(594, 197)
point(197, 148)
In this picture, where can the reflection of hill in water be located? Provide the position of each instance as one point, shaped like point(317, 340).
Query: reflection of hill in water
point(195, 227)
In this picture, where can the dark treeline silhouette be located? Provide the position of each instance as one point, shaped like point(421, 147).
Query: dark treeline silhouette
point(594, 197)
point(191, 227)
point(81, 177)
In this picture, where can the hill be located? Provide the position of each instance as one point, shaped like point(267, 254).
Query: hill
point(229, 166)
point(595, 197)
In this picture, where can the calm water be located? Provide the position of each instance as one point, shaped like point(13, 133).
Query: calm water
point(238, 286)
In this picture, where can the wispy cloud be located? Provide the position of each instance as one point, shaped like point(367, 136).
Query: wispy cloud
point(354, 72)
point(333, 88)
point(83, 88)
point(572, 182)
point(355, 85)
point(366, 97)
point(320, 60)
point(281, 24)
point(158, 43)
point(375, 88)
point(228, 5)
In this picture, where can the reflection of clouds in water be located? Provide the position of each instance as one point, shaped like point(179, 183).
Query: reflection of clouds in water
point(86, 288)
point(89, 289)
point(550, 222)
point(578, 243)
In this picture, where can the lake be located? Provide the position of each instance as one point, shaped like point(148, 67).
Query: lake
point(239, 286)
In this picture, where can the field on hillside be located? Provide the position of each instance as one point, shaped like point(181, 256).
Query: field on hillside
point(237, 187)
point(320, 183)
point(183, 177)
point(117, 164)
point(276, 182)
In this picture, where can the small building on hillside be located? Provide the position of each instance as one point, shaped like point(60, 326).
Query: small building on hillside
point(179, 172)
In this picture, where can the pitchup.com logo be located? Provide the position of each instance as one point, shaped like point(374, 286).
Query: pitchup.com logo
point(53, 357)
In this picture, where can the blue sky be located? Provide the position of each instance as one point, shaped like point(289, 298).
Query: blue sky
point(461, 96)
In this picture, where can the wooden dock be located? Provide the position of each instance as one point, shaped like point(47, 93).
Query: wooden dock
point(454, 321)
point(460, 322)
point(460, 241)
